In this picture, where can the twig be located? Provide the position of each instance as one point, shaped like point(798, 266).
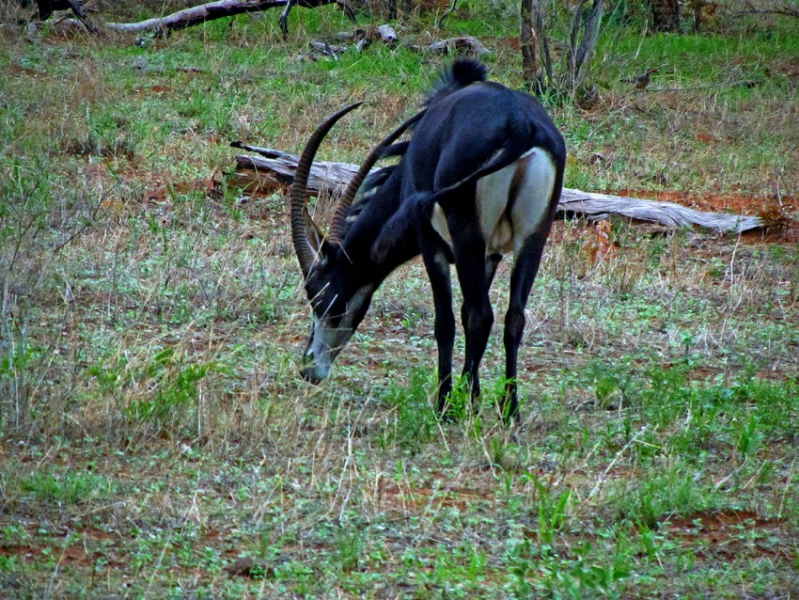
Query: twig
point(447, 13)
point(784, 11)
point(616, 458)
point(743, 82)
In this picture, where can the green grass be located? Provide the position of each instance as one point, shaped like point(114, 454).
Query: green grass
point(157, 441)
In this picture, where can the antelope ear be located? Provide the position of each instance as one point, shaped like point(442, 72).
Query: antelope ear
point(312, 232)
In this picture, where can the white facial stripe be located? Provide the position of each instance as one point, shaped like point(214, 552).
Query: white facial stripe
point(328, 340)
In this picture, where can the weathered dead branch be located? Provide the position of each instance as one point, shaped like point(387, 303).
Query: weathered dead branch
point(387, 34)
point(461, 46)
point(457, 46)
point(220, 9)
point(273, 169)
point(785, 10)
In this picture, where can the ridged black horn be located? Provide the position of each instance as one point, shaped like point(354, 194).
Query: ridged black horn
point(299, 227)
point(339, 224)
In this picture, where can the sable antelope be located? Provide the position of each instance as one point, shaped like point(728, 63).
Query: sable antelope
point(481, 176)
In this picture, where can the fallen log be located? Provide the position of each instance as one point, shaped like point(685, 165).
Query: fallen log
point(387, 34)
point(460, 46)
point(464, 45)
point(274, 169)
point(219, 9)
point(667, 214)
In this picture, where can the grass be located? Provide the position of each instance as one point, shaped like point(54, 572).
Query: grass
point(157, 441)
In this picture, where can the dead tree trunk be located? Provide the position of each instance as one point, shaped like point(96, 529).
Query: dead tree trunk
point(274, 169)
point(579, 56)
point(220, 9)
point(666, 15)
point(531, 69)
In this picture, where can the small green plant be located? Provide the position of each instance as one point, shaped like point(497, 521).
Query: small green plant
point(673, 492)
point(459, 405)
point(349, 548)
point(750, 438)
point(416, 421)
point(611, 384)
point(69, 487)
point(176, 388)
point(552, 513)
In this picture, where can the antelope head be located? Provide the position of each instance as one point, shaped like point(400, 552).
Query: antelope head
point(339, 281)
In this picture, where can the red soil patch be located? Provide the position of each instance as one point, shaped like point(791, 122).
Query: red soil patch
point(781, 228)
point(210, 187)
point(18, 70)
point(156, 90)
point(83, 552)
point(401, 498)
point(732, 533)
point(731, 202)
point(788, 67)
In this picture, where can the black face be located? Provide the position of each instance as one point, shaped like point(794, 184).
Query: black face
point(339, 303)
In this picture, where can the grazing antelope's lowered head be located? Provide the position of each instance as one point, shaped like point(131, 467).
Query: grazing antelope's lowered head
point(339, 279)
point(480, 176)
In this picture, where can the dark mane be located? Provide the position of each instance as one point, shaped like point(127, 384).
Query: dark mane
point(462, 72)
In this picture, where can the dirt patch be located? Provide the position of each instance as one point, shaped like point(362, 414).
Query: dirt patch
point(91, 545)
point(163, 193)
point(401, 498)
point(732, 202)
point(778, 213)
point(788, 67)
point(732, 533)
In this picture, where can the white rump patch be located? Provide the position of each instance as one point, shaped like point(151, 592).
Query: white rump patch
point(439, 222)
point(525, 187)
point(512, 203)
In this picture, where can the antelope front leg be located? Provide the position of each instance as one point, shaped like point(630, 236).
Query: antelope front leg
point(437, 265)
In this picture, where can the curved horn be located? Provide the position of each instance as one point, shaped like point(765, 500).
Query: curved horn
point(339, 224)
point(299, 210)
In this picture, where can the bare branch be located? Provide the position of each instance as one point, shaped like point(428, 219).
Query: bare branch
point(783, 11)
point(220, 9)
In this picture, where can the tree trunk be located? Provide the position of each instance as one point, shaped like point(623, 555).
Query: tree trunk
point(534, 42)
point(666, 15)
point(589, 21)
point(531, 69)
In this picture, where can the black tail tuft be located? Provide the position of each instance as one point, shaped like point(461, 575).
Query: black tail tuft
point(463, 72)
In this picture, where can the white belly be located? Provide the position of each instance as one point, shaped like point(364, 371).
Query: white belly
point(511, 203)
